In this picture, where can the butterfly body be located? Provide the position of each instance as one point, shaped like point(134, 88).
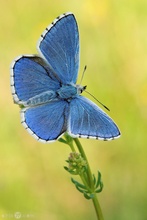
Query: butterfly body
point(68, 92)
point(46, 87)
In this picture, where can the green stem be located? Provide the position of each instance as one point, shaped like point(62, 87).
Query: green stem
point(97, 208)
point(90, 180)
point(83, 178)
point(72, 146)
point(89, 174)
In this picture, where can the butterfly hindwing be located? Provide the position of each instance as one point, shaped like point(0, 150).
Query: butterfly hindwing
point(59, 44)
point(87, 120)
point(46, 122)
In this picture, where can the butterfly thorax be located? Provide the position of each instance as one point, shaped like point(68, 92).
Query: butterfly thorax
point(70, 91)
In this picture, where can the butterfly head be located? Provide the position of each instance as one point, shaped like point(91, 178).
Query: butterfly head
point(80, 88)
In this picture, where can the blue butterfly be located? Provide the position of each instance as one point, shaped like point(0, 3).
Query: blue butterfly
point(45, 87)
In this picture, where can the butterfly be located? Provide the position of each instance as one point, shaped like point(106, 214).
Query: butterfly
point(45, 87)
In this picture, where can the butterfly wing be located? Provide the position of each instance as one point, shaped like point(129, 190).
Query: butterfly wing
point(46, 122)
point(87, 120)
point(30, 76)
point(59, 44)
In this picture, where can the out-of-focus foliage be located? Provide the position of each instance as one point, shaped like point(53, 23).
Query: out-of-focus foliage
point(113, 37)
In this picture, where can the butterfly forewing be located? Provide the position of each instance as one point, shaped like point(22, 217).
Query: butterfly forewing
point(59, 44)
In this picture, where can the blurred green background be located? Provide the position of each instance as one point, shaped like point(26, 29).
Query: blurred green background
point(113, 39)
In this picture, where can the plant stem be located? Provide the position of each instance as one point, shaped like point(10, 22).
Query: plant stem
point(72, 146)
point(97, 208)
point(89, 174)
point(90, 180)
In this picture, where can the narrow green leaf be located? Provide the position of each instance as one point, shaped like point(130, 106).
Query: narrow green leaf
point(80, 190)
point(62, 140)
point(94, 179)
point(66, 168)
point(98, 179)
point(88, 196)
point(78, 184)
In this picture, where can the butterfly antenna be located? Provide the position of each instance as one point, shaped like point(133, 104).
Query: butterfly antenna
point(98, 101)
point(83, 74)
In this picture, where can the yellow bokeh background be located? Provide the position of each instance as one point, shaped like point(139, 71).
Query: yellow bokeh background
point(113, 43)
